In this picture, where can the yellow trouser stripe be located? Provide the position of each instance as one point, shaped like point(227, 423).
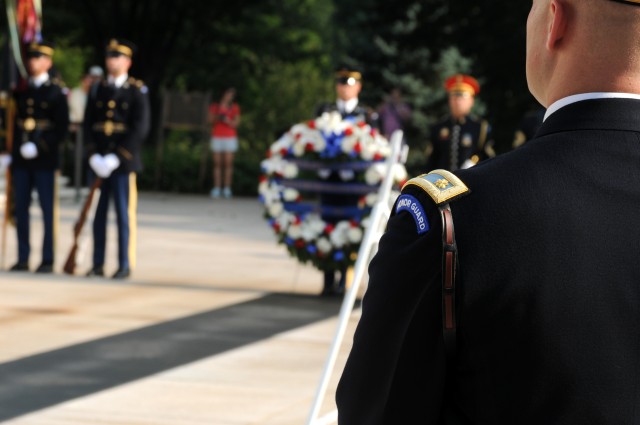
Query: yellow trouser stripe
point(56, 210)
point(133, 226)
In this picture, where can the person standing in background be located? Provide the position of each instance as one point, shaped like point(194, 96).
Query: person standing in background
point(224, 117)
point(41, 124)
point(116, 123)
point(78, 95)
point(460, 139)
point(394, 113)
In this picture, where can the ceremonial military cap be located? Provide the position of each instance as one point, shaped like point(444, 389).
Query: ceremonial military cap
point(347, 75)
point(42, 48)
point(461, 83)
point(119, 46)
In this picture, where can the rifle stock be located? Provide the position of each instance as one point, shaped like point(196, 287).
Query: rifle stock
point(70, 264)
point(8, 133)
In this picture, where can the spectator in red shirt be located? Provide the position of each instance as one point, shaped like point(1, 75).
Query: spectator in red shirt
point(225, 117)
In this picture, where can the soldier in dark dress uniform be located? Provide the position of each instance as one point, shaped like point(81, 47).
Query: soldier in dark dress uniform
point(41, 124)
point(348, 82)
point(117, 121)
point(541, 323)
point(460, 139)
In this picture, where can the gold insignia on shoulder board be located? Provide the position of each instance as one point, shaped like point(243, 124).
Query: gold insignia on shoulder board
point(441, 185)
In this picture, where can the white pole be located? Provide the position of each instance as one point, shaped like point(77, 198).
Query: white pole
point(379, 215)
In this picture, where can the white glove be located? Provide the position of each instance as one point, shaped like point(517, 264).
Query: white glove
point(467, 164)
point(99, 166)
point(5, 161)
point(111, 161)
point(28, 150)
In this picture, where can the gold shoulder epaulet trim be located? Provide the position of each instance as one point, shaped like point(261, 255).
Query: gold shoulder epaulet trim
point(441, 185)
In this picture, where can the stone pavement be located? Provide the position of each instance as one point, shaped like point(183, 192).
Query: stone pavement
point(217, 326)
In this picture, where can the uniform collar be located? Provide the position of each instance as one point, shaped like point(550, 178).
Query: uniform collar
point(347, 106)
point(39, 80)
point(601, 113)
point(586, 96)
point(119, 81)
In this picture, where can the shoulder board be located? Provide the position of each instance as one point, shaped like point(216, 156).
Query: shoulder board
point(134, 82)
point(58, 82)
point(441, 185)
point(139, 84)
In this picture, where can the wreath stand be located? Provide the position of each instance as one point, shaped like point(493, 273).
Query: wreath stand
point(379, 216)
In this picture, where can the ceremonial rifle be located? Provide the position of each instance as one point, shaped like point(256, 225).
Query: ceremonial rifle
point(70, 264)
point(8, 205)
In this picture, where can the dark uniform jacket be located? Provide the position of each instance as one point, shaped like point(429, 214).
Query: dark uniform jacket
point(42, 117)
point(548, 299)
point(455, 141)
point(117, 120)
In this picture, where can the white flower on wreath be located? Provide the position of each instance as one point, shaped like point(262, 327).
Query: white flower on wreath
point(316, 224)
point(284, 142)
point(354, 234)
point(285, 219)
point(348, 143)
point(331, 122)
point(370, 199)
point(290, 170)
point(375, 174)
point(290, 194)
point(399, 172)
point(275, 209)
point(294, 231)
point(339, 235)
point(270, 192)
point(323, 245)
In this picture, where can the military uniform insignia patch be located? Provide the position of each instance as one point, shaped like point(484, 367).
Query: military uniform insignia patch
point(444, 133)
point(441, 185)
point(412, 206)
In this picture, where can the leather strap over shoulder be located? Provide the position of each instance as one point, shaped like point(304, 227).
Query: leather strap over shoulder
point(443, 187)
point(449, 260)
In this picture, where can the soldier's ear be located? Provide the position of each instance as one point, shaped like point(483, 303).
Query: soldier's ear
point(557, 23)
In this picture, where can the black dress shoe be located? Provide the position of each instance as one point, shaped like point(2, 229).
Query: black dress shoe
point(121, 274)
point(332, 291)
point(45, 268)
point(20, 267)
point(96, 272)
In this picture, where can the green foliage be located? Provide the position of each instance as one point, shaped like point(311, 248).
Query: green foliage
point(70, 63)
point(183, 164)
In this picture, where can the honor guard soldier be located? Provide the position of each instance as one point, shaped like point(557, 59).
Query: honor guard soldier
point(460, 139)
point(117, 121)
point(41, 124)
point(348, 86)
point(528, 312)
